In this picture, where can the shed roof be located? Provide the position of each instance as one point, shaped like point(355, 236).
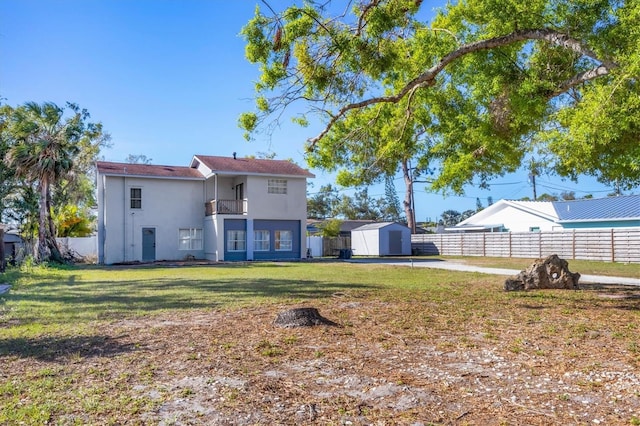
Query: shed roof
point(377, 225)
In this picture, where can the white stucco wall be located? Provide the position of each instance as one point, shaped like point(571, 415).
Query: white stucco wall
point(262, 205)
point(519, 221)
point(167, 205)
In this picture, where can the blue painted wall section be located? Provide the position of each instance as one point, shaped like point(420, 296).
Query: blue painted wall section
point(278, 225)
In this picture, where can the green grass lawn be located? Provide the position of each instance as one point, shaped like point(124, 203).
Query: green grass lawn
point(49, 299)
point(55, 298)
point(585, 267)
point(67, 360)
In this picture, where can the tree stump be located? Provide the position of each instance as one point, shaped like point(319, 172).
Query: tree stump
point(301, 317)
point(550, 272)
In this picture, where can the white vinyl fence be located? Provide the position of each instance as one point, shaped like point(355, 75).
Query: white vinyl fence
point(610, 245)
point(314, 245)
point(85, 247)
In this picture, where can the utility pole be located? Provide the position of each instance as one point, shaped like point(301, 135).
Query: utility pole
point(533, 172)
point(532, 180)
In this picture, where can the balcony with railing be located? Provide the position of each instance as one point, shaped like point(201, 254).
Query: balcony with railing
point(225, 207)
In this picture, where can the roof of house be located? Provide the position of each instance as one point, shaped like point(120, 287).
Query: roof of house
point(215, 164)
point(148, 170)
point(598, 209)
point(252, 166)
point(542, 209)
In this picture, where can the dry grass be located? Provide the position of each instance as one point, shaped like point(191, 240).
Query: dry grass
point(412, 347)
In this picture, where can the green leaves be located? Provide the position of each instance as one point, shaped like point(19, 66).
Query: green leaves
point(52, 149)
point(471, 93)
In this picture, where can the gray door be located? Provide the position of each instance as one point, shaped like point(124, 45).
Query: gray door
point(148, 244)
point(395, 242)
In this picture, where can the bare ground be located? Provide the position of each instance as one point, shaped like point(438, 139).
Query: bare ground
point(535, 362)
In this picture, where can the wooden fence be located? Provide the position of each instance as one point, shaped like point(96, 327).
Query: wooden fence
point(332, 246)
point(609, 245)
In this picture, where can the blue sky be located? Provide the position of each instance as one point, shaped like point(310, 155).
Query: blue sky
point(168, 79)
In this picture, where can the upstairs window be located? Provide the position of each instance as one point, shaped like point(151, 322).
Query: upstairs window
point(277, 186)
point(136, 198)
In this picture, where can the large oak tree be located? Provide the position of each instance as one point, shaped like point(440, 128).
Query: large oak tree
point(467, 93)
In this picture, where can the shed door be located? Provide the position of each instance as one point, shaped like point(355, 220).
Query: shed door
point(395, 242)
point(148, 244)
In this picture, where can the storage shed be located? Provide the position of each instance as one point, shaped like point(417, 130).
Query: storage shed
point(381, 239)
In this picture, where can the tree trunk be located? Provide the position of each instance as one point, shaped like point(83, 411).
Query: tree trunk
point(47, 245)
point(408, 197)
point(2, 265)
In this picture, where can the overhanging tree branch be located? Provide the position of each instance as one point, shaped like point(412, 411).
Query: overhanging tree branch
point(428, 77)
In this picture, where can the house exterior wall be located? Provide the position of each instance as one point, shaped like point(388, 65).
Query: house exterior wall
point(167, 206)
point(269, 211)
point(516, 220)
point(171, 203)
point(263, 205)
point(602, 224)
point(210, 238)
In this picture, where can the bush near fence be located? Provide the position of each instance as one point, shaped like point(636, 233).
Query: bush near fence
point(610, 245)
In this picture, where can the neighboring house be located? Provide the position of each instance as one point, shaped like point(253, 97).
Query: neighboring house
point(535, 216)
point(381, 239)
point(218, 208)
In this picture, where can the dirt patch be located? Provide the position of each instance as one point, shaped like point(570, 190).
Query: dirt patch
point(385, 363)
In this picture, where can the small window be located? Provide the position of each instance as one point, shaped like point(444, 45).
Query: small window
point(284, 240)
point(261, 240)
point(277, 186)
point(136, 198)
point(236, 241)
point(534, 229)
point(190, 239)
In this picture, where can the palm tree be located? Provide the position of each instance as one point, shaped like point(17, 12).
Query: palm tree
point(46, 144)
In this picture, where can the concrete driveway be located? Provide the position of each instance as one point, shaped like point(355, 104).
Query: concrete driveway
point(455, 266)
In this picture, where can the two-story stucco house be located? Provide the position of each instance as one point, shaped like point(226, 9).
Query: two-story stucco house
point(218, 208)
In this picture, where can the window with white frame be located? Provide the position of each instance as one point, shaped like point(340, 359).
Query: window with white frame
point(261, 240)
point(284, 240)
point(135, 194)
point(236, 240)
point(190, 239)
point(277, 186)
